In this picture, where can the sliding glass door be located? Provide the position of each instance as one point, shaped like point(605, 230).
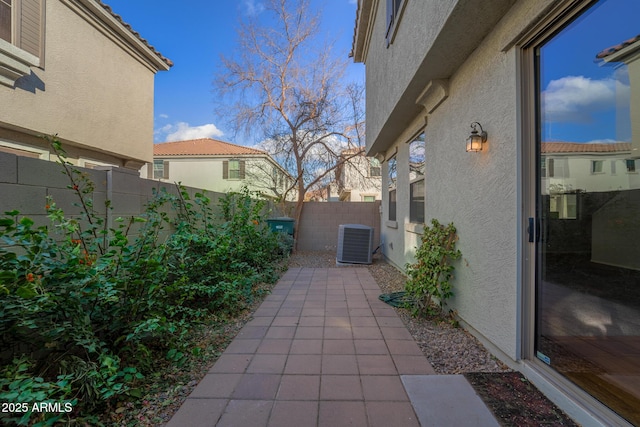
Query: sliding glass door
point(587, 225)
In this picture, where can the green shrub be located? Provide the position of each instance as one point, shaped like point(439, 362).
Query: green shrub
point(87, 309)
point(428, 285)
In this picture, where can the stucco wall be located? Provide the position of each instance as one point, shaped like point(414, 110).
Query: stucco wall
point(416, 33)
point(478, 192)
point(91, 92)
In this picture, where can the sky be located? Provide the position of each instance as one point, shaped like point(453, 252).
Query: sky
point(586, 100)
point(194, 34)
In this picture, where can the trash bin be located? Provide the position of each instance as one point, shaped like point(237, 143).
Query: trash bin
point(283, 224)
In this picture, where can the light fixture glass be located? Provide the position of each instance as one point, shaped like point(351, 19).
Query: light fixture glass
point(476, 139)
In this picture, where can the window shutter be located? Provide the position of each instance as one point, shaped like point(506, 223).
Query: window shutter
point(165, 169)
point(225, 169)
point(150, 170)
point(241, 162)
point(29, 29)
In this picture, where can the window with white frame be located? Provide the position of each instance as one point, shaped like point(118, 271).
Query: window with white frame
point(597, 166)
point(160, 169)
point(416, 179)
point(233, 169)
point(374, 167)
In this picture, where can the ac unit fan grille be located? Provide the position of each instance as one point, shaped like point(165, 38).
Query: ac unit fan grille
point(355, 245)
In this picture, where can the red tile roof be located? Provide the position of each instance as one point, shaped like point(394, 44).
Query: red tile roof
point(202, 147)
point(135, 33)
point(574, 147)
point(617, 48)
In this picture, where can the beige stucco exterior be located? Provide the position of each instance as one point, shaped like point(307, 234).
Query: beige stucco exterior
point(262, 174)
point(94, 89)
point(355, 182)
point(451, 63)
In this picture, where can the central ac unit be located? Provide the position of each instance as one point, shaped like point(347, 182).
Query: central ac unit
point(355, 244)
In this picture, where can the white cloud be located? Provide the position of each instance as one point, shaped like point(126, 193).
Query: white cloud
point(252, 8)
point(182, 131)
point(576, 98)
point(164, 116)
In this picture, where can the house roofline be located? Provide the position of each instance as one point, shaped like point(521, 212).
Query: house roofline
point(102, 17)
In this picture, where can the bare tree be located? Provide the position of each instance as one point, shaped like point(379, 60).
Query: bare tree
point(286, 89)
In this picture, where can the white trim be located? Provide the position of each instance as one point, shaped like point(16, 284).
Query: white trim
point(14, 63)
point(44, 154)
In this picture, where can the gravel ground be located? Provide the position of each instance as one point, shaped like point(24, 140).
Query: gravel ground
point(450, 350)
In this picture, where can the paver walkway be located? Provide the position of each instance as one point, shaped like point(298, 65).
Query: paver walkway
point(321, 350)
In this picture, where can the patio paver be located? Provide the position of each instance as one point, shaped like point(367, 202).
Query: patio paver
point(322, 350)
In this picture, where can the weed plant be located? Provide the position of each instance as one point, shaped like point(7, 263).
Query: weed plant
point(87, 309)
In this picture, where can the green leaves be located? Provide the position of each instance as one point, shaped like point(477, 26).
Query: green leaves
point(428, 286)
point(87, 299)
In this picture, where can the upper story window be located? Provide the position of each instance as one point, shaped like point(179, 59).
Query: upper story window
point(416, 179)
point(597, 166)
point(631, 165)
point(374, 167)
point(5, 20)
point(21, 38)
point(233, 169)
point(394, 12)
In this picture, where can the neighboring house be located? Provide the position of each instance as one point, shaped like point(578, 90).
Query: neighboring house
point(549, 278)
point(215, 165)
point(358, 179)
point(75, 69)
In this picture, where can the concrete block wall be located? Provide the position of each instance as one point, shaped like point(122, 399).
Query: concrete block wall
point(318, 228)
point(25, 184)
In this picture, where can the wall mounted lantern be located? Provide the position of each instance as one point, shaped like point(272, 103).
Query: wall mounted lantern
point(475, 140)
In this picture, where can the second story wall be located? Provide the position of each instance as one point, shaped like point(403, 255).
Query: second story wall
point(93, 87)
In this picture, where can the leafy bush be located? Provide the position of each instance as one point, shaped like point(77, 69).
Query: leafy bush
point(428, 282)
point(86, 310)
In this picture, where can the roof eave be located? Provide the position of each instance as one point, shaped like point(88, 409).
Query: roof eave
point(113, 26)
point(361, 33)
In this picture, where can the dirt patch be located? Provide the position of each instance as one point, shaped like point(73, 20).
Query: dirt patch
point(515, 401)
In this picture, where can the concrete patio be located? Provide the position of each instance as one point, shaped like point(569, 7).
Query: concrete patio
point(322, 350)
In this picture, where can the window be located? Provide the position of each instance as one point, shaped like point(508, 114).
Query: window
point(416, 179)
point(374, 167)
point(551, 166)
point(5, 20)
point(160, 169)
point(233, 169)
point(393, 177)
point(21, 23)
point(394, 11)
point(563, 206)
point(631, 165)
point(597, 166)
point(368, 198)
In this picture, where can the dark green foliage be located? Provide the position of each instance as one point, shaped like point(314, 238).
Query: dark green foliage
point(428, 282)
point(86, 310)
